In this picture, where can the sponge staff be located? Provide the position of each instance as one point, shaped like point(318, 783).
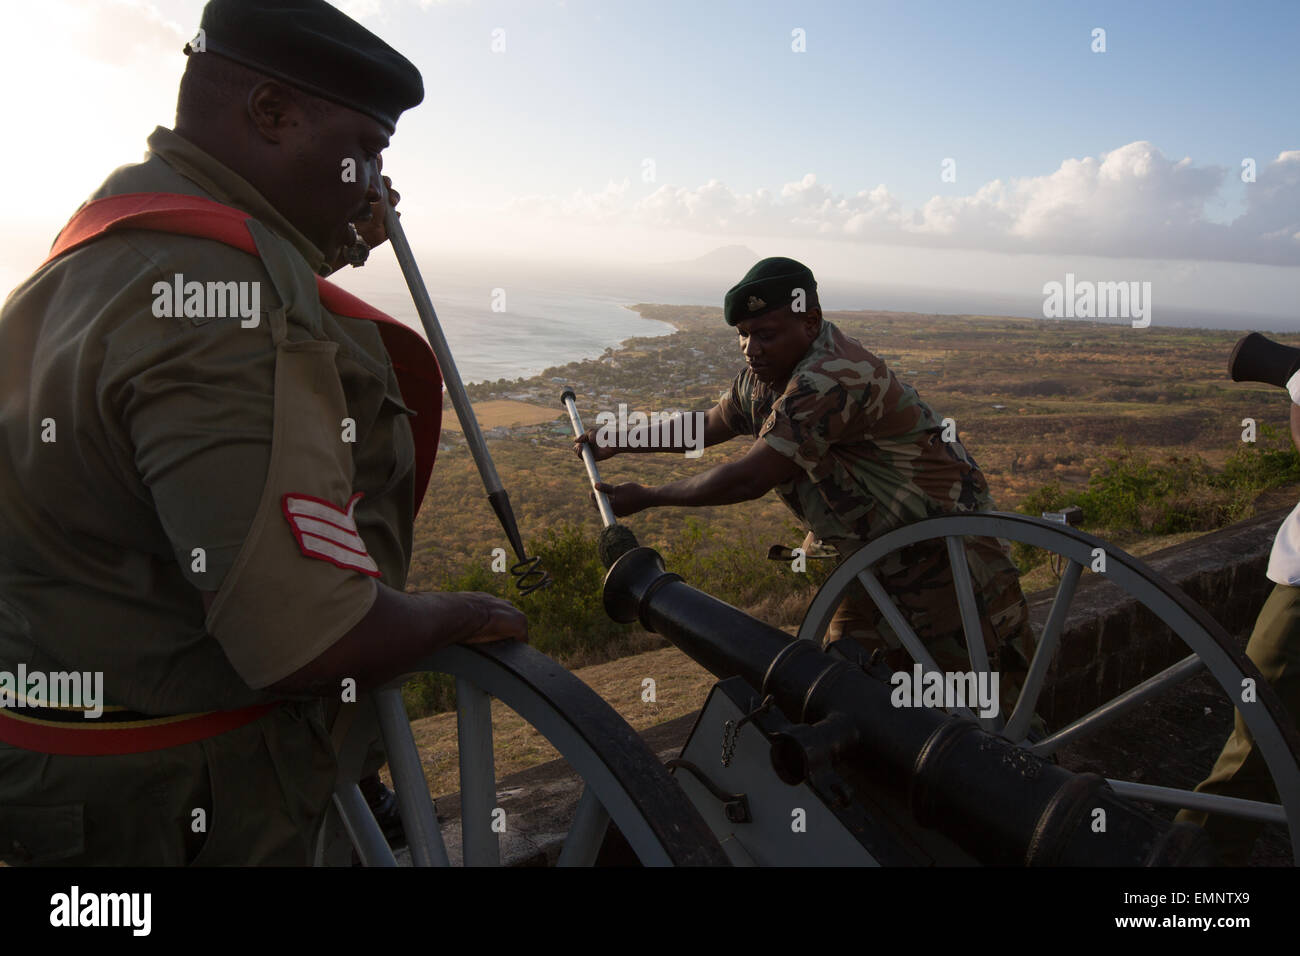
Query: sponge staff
point(528, 575)
point(569, 400)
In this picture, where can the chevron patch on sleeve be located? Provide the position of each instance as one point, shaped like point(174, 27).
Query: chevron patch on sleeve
point(328, 533)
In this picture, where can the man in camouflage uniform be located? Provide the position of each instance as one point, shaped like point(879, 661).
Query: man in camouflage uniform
point(854, 453)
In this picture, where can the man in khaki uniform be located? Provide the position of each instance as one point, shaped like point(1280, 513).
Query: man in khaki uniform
point(213, 507)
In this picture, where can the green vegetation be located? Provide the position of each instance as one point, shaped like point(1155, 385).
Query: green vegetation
point(1132, 494)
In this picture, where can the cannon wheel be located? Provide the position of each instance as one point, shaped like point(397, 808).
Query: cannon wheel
point(624, 781)
point(1211, 648)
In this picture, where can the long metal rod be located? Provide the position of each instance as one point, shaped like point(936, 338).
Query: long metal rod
point(589, 459)
point(413, 801)
point(450, 374)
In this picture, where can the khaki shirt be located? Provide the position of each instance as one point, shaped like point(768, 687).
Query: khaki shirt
point(872, 452)
point(163, 431)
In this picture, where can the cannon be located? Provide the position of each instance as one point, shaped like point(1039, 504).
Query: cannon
point(798, 755)
point(888, 785)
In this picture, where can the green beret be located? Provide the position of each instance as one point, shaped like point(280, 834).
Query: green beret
point(316, 48)
point(767, 287)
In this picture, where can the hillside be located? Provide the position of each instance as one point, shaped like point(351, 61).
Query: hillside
point(1034, 401)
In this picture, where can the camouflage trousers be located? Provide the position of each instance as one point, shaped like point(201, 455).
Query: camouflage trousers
point(919, 579)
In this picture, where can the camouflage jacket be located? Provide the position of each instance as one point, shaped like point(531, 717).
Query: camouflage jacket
point(872, 452)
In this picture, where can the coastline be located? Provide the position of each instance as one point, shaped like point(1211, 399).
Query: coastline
point(640, 309)
point(988, 365)
point(699, 350)
point(528, 406)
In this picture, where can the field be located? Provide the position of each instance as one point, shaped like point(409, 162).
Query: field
point(1034, 400)
point(502, 413)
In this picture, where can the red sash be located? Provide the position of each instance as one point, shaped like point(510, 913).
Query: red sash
point(417, 370)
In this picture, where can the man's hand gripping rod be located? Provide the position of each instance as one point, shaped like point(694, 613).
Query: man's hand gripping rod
point(527, 573)
point(615, 539)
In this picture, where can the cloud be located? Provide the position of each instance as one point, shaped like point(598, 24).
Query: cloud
point(124, 33)
point(1273, 207)
point(1131, 202)
point(608, 206)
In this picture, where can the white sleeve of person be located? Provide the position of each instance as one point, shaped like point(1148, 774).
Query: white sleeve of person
point(1284, 559)
point(303, 577)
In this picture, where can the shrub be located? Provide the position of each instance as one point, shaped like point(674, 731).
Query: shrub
point(1131, 494)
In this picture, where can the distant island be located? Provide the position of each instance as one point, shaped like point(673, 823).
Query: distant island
point(732, 260)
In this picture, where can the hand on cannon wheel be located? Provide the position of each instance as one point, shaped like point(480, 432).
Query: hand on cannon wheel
point(600, 452)
point(626, 499)
point(500, 620)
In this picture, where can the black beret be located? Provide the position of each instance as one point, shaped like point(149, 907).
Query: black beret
point(316, 48)
point(767, 287)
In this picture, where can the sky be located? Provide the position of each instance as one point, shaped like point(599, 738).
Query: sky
point(994, 146)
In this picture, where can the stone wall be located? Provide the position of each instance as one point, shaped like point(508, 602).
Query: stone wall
point(1110, 643)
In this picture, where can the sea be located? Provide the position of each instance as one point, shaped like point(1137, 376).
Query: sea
point(516, 319)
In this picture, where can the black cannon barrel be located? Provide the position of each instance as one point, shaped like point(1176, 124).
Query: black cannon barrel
point(997, 801)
